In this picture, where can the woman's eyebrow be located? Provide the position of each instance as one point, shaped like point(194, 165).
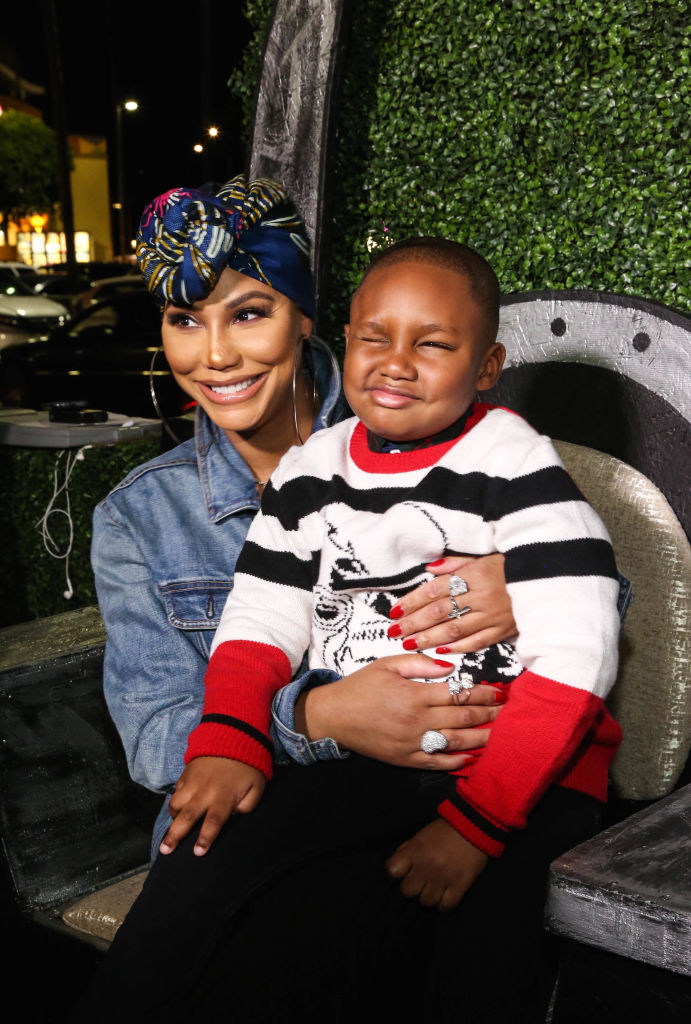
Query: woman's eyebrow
point(240, 300)
point(232, 301)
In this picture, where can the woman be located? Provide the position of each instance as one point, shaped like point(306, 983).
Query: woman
point(233, 272)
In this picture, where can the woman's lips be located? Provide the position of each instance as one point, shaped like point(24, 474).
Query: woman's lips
point(233, 392)
point(391, 398)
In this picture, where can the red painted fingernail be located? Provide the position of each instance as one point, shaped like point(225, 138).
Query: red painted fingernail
point(396, 612)
point(444, 664)
point(500, 697)
point(439, 561)
point(442, 650)
point(410, 644)
point(394, 630)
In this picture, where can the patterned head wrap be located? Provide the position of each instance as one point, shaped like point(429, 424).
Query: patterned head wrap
point(187, 237)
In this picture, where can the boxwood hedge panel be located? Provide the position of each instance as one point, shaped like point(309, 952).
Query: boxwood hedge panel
point(36, 580)
point(552, 136)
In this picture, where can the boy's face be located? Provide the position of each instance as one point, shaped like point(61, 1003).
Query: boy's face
point(416, 350)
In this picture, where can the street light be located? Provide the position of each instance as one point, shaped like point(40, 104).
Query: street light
point(120, 205)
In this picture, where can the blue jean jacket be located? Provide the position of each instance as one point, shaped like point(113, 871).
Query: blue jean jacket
point(165, 543)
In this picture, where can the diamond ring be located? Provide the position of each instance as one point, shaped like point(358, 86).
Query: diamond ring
point(433, 742)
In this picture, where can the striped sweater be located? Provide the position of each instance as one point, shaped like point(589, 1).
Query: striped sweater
point(345, 532)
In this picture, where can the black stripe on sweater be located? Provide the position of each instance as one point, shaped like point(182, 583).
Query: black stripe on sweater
point(587, 556)
point(495, 832)
point(278, 566)
point(543, 487)
point(475, 493)
point(237, 723)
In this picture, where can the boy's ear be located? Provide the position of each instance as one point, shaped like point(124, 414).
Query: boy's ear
point(346, 331)
point(491, 367)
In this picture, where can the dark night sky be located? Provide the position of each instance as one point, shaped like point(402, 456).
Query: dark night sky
point(115, 50)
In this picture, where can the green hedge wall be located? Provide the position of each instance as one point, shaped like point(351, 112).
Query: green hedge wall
point(34, 580)
point(552, 136)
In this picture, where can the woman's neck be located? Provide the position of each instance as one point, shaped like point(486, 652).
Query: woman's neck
point(262, 449)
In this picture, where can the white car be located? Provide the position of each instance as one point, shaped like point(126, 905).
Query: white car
point(25, 316)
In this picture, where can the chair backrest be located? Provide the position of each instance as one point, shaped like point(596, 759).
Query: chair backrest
point(71, 817)
point(608, 371)
point(652, 695)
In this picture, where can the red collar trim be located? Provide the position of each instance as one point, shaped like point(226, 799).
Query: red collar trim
point(403, 462)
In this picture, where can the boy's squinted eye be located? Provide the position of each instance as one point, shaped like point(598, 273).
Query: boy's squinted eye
point(438, 344)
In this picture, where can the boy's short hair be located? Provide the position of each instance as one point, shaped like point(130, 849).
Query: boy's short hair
point(443, 252)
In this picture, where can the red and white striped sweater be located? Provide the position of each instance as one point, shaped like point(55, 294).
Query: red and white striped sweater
point(344, 532)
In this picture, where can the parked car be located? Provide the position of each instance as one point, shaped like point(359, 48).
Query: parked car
point(25, 316)
point(106, 288)
point(60, 288)
point(96, 269)
point(29, 275)
point(102, 357)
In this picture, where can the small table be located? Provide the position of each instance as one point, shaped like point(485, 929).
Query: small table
point(623, 902)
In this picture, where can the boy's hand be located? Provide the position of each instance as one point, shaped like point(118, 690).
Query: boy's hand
point(215, 787)
point(437, 864)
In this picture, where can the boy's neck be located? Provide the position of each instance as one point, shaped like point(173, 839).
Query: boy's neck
point(376, 443)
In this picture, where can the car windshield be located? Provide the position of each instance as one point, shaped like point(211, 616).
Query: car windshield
point(102, 316)
point(11, 285)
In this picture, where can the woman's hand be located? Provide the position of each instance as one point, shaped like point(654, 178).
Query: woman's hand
point(422, 616)
point(382, 710)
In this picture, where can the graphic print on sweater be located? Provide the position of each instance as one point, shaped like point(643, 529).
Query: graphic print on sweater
point(350, 616)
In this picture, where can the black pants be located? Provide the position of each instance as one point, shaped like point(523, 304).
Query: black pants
point(291, 915)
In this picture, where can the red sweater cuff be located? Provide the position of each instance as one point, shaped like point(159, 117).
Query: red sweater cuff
point(478, 830)
point(240, 682)
point(225, 736)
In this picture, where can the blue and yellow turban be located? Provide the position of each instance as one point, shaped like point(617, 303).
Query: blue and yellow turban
point(187, 237)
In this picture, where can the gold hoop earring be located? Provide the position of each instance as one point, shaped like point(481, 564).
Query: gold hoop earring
point(152, 391)
point(314, 386)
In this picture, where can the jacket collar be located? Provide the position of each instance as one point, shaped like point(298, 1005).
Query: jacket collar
point(227, 483)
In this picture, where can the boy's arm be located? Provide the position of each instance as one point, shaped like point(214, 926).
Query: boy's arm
point(215, 788)
point(263, 633)
point(438, 865)
point(563, 583)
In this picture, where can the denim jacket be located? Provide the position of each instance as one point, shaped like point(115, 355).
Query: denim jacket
point(165, 543)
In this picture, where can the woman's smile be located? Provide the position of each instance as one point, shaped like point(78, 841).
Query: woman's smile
point(234, 391)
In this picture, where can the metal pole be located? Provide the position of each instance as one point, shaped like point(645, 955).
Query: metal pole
point(120, 177)
point(50, 24)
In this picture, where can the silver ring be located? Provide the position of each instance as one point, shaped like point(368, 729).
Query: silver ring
point(457, 585)
point(460, 684)
point(433, 742)
point(456, 612)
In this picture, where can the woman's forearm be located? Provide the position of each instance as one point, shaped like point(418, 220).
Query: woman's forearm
point(382, 710)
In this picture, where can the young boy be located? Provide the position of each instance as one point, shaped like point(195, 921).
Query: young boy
point(347, 526)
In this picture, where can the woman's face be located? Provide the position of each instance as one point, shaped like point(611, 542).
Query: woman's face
point(233, 353)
